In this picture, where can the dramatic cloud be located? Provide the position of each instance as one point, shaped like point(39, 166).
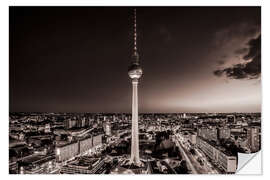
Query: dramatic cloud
point(231, 43)
point(241, 51)
point(254, 50)
point(251, 69)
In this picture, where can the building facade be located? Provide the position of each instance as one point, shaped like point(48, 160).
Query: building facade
point(226, 162)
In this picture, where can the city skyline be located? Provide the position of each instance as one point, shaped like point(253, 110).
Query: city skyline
point(75, 59)
point(81, 143)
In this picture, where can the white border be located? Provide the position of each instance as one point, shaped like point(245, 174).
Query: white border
point(4, 73)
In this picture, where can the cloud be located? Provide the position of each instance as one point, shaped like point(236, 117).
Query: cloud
point(241, 51)
point(251, 69)
point(230, 43)
point(218, 73)
point(235, 72)
point(254, 50)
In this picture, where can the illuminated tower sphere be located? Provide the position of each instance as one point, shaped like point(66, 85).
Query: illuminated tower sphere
point(135, 72)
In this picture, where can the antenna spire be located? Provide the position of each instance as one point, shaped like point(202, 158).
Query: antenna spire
point(135, 33)
point(135, 52)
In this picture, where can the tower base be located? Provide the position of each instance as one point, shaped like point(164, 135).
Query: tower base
point(135, 164)
point(128, 167)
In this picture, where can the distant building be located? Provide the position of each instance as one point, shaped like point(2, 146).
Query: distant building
point(208, 133)
point(224, 133)
point(231, 119)
point(80, 123)
point(83, 165)
point(107, 128)
point(85, 144)
point(236, 129)
point(69, 123)
point(47, 128)
point(36, 164)
point(184, 115)
point(253, 136)
point(21, 136)
point(67, 151)
point(97, 140)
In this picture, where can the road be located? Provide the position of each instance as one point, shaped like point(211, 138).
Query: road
point(171, 170)
point(190, 165)
point(206, 168)
point(207, 164)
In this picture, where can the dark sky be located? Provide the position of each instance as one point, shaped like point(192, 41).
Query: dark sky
point(75, 59)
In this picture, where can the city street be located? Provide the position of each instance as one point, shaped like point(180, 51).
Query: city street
point(190, 165)
point(192, 160)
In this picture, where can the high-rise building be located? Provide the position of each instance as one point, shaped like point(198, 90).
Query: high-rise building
point(66, 151)
point(184, 115)
point(224, 133)
point(70, 123)
point(135, 72)
point(47, 128)
point(253, 136)
point(107, 128)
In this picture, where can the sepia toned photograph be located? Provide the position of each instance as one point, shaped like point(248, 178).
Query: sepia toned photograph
point(133, 90)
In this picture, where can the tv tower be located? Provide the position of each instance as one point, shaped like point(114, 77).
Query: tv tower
point(135, 72)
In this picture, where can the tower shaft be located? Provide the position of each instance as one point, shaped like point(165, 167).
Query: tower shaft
point(135, 72)
point(135, 134)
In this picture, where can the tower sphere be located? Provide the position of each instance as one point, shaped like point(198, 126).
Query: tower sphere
point(135, 71)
